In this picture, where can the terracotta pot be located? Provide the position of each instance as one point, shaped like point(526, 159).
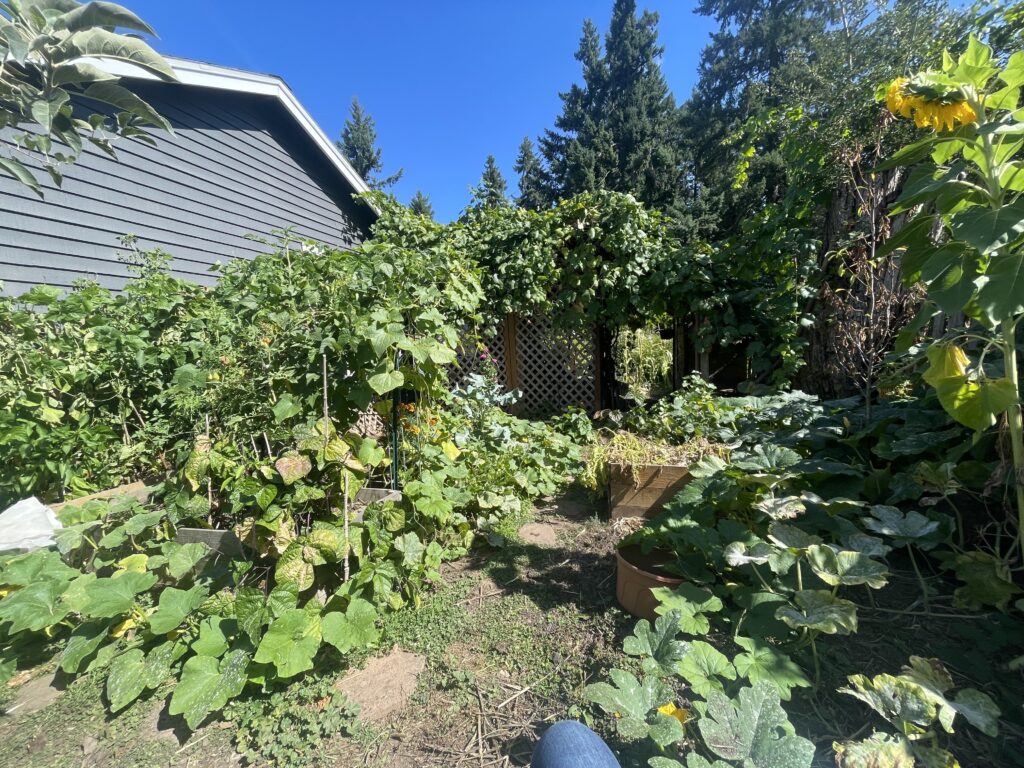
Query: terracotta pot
point(635, 577)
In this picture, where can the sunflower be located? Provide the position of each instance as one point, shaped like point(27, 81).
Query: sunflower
point(939, 114)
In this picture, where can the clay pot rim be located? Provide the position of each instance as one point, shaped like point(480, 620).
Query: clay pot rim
point(649, 574)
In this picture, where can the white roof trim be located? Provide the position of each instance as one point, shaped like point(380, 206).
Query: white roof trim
point(204, 75)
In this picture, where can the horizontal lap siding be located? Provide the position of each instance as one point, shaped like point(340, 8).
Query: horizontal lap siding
point(236, 165)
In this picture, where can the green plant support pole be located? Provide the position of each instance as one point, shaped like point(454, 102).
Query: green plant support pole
point(1013, 416)
point(396, 396)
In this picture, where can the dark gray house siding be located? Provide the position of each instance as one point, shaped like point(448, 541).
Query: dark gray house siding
point(236, 165)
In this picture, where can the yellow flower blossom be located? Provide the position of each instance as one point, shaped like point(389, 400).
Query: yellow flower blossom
point(937, 115)
point(124, 626)
point(672, 710)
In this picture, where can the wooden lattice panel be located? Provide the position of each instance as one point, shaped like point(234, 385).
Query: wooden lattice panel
point(554, 367)
point(371, 424)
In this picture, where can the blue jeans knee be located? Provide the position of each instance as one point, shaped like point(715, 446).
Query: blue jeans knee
point(570, 744)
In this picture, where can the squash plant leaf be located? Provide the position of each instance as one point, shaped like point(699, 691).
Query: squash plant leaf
point(792, 538)
point(845, 567)
point(355, 628)
point(34, 607)
point(106, 598)
point(691, 603)
point(880, 750)
point(903, 528)
point(979, 710)
point(763, 663)
point(160, 661)
point(753, 730)
point(629, 701)
point(702, 667)
point(174, 606)
point(820, 610)
point(126, 680)
point(85, 639)
point(291, 642)
point(657, 646)
point(33, 567)
point(183, 558)
point(987, 581)
point(903, 703)
point(207, 684)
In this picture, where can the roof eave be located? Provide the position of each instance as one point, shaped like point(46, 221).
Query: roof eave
point(202, 75)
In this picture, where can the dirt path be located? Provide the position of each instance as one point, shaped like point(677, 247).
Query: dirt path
point(510, 642)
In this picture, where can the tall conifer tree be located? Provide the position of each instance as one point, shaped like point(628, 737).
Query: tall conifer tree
point(420, 204)
point(359, 145)
point(618, 130)
point(492, 191)
point(532, 192)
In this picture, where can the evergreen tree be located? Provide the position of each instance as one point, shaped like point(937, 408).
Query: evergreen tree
point(618, 130)
point(757, 61)
point(532, 192)
point(359, 145)
point(420, 204)
point(492, 192)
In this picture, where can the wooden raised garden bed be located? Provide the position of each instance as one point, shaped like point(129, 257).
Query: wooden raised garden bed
point(642, 491)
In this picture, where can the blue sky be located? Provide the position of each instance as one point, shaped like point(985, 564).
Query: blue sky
point(447, 81)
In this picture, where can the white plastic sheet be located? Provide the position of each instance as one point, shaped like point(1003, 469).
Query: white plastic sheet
point(27, 525)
